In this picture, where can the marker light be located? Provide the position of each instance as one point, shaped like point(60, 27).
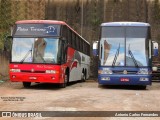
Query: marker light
point(15, 70)
point(52, 71)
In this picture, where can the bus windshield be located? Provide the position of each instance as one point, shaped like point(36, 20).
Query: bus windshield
point(36, 50)
point(124, 46)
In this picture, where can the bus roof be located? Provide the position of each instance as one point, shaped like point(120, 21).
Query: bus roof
point(125, 24)
point(48, 22)
point(40, 21)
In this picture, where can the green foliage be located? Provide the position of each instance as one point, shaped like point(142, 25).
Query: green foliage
point(95, 22)
point(5, 20)
point(13, 10)
point(5, 13)
point(3, 36)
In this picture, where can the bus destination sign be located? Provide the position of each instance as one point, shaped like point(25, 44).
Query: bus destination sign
point(37, 30)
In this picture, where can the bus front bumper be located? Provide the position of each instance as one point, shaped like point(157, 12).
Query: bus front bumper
point(124, 79)
point(45, 78)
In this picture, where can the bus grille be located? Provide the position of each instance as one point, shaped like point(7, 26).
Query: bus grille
point(29, 71)
point(122, 72)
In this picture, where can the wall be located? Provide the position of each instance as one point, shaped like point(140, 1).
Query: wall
point(4, 65)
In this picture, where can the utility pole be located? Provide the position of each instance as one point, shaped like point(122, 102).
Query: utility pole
point(146, 10)
point(104, 11)
point(82, 18)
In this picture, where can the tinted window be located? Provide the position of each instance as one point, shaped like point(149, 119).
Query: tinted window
point(136, 32)
point(112, 32)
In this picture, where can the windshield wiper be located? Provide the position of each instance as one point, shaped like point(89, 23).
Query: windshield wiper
point(41, 56)
point(116, 55)
point(30, 51)
point(132, 56)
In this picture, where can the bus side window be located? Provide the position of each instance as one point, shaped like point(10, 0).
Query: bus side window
point(79, 43)
point(73, 40)
point(77, 46)
point(65, 33)
point(88, 49)
point(83, 47)
point(63, 52)
point(70, 37)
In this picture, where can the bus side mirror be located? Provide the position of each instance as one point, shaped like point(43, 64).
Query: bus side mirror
point(155, 48)
point(95, 48)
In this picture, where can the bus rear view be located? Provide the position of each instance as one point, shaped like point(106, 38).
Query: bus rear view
point(125, 54)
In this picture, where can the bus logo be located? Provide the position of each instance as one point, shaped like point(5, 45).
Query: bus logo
point(6, 114)
point(125, 72)
point(50, 29)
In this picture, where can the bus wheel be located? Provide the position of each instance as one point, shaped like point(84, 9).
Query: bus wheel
point(83, 77)
point(143, 87)
point(66, 80)
point(26, 84)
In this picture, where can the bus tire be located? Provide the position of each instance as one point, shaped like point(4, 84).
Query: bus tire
point(66, 81)
point(83, 76)
point(143, 87)
point(86, 74)
point(26, 84)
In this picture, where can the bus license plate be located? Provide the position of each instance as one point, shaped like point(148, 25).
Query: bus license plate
point(124, 79)
point(32, 78)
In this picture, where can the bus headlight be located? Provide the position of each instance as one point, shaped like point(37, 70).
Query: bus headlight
point(105, 71)
point(105, 78)
point(143, 71)
point(15, 70)
point(51, 71)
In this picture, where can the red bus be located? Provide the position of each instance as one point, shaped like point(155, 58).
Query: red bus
point(48, 51)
